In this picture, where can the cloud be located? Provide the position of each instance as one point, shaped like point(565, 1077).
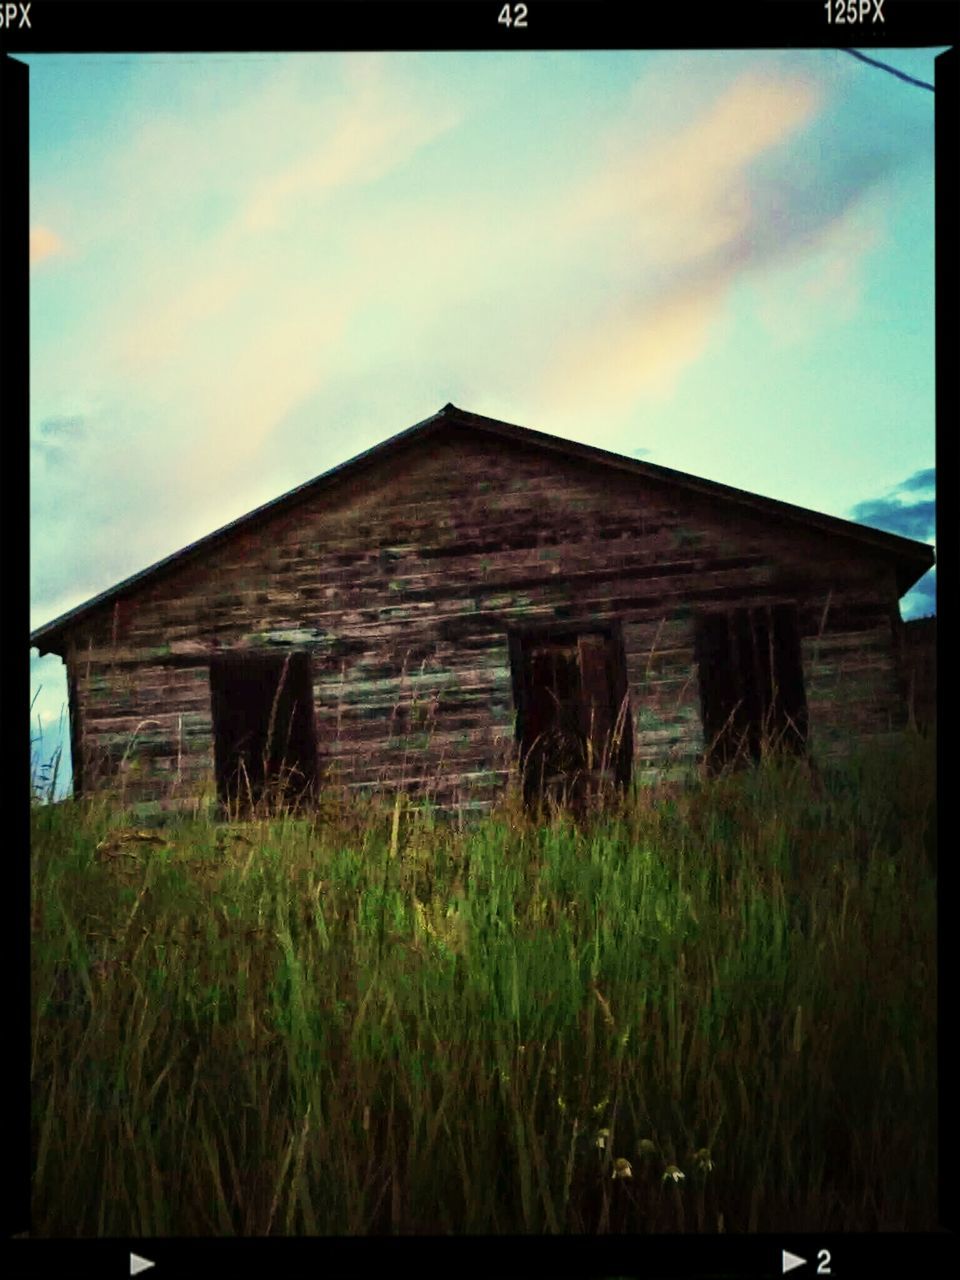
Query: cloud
point(916, 519)
point(735, 191)
point(230, 330)
point(228, 297)
point(289, 251)
point(685, 196)
point(44, 244)
point(63, 426)
point(640, 349)
point(375, 131)
point(169, 326)
point(263, 379)
point(56, 439)
point(920, 480)
point(50, 606)
point(921, 600)
point(825, 285)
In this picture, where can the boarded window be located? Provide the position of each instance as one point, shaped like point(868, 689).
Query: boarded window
point(751, 683)
point(573, 723)
point(263, 726)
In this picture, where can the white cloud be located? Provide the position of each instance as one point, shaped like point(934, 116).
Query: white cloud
point(680, 197)
point(377, 128)
point(826, 286)
point(691, 212)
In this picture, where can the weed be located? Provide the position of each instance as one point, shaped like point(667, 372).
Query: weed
point(699, 1008)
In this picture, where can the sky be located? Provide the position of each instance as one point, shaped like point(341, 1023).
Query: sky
point(246, 269)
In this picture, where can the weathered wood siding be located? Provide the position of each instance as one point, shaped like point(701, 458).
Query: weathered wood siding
point(919, 657)
point(401, 583)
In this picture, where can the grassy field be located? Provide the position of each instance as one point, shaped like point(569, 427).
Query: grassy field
point(711, 1010)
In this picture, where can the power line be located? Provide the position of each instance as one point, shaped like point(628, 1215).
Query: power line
point(902, 75)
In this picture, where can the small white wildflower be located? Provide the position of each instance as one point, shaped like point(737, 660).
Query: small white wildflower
point(703, 1160)
point(673, 1172)
point(622, 1168)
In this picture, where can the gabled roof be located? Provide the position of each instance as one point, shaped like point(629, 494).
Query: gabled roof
point(912, 559)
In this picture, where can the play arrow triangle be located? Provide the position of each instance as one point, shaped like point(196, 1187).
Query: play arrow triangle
point(138, 1264)
point(790, 1260)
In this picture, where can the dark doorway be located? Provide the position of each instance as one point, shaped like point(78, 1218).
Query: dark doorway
point(263, 728)
point(573, 721)
point(751, 683)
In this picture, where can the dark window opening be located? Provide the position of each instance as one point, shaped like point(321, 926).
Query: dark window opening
point(263, 726)
point(751, 684)
point(573, 719)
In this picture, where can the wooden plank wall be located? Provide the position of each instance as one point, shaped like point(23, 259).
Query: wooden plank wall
point(401, 585)
point(919, 656)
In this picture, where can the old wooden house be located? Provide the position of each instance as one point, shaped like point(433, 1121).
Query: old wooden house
point(469, 597)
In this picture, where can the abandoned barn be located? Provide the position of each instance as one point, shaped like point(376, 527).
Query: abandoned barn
point(469, 597)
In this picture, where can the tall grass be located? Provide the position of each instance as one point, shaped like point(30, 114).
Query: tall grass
point(708, 1008)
